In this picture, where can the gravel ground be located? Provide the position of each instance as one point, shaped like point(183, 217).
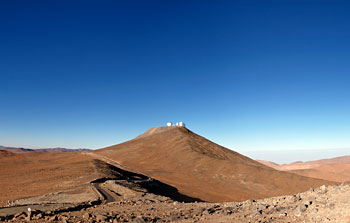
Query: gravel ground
point(324, 204)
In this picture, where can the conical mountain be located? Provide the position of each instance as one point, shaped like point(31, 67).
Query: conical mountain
point(202, 169)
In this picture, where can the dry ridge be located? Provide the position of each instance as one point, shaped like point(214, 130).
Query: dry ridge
point(335, 169)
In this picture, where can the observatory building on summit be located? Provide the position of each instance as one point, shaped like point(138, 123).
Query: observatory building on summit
point(181, 124)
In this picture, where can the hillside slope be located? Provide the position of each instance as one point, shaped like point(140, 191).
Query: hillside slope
point(268, 163)
point(335, 169)
point(30, 174)
point(202, 169)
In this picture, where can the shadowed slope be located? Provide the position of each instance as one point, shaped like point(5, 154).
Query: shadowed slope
point(151, 185)
point(200, 168)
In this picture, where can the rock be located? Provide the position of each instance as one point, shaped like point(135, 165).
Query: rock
point(299, 210)
point(39, 215)
point(19, 216)
point(228, 210)
point(211, 210)
point(205, 212)
point(174, 218)
point(303, 207)
point(86, 215)
point(322, 189)
point(53, 218)
point(296, 197)
point(345, 183)
point(139, 219)
point(101, 218)
point(261, 207)
point(254, 213)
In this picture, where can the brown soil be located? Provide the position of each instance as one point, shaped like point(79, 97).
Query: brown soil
point(335, 169)
point(268, 163)
point(32, 173)
point(202, 169)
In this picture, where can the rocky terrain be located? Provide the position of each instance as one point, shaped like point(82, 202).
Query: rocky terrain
point(324, 204)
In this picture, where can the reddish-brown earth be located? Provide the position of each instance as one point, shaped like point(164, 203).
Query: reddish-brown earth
point(335, 169)
point(202, 169)
point(268, 163)
point(32, 173)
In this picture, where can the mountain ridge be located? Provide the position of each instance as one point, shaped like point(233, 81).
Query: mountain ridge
point(334, 169)
point(42, 150)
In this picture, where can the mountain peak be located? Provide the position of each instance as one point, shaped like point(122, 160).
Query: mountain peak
point(157, 130)
point(202, 169)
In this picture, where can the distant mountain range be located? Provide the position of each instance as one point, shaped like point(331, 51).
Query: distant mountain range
point(43, 150)
point(336, 169)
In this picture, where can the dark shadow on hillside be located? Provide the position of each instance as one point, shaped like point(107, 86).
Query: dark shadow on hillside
point(136, 180)
point(156, 187)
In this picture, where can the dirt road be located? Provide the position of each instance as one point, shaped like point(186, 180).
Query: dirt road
point(107, 194)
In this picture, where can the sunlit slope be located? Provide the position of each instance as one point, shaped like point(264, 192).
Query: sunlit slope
point(334, 169)
point(200, 168)
point(32, 173)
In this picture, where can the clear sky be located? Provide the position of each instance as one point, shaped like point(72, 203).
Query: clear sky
point(253, 76)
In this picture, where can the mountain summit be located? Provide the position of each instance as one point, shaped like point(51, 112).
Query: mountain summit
point(203, 169)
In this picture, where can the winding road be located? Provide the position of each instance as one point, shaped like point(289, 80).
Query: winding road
point(107, 194)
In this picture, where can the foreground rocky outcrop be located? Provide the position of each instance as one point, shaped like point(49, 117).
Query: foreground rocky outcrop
point(324, 204)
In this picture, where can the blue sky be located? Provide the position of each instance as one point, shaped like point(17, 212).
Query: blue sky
point(253, 76)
